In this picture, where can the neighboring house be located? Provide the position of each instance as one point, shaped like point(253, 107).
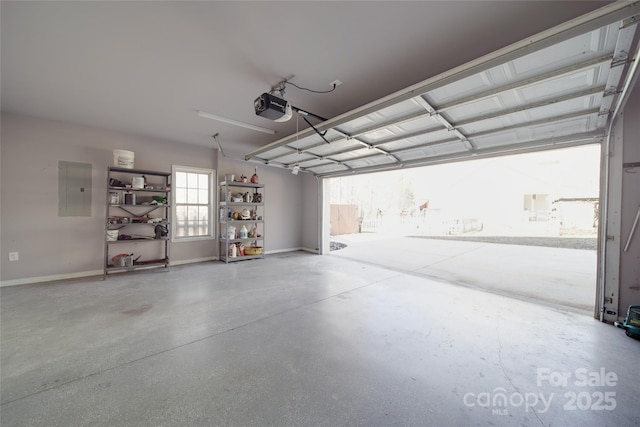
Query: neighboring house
point(575, 214)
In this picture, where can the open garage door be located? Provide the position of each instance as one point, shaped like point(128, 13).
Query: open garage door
point(555, 89)
point(560, 88)
point(511, 225)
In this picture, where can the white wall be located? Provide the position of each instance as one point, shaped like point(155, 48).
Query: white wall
point(51, 246)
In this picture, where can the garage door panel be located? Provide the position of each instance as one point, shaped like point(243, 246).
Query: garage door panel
point(411, 123)
point(402, 144)
point(503, 138)
point(551, 85)
point(563, 85)
point(463, 88)
point(353, 126)
point(343, 145)
point(589, 117)
point(575, 83)
point(573, 107)
point(315, 139)
point(497, 123)
point(481, 107)
point(429, 138)
point(431, 151)
point(345, 156)
point(386, 133)
point(562, 128)
point(422, 124)
point(392, 113)
point(578, 49)
point(550, 108)
point(373, 160)
point(398, 110)
point(295, 158)
point(408, 156)
point(329, 168)
point(539, 132)
point(276, 153)
point(304, 143)
point(312, 162)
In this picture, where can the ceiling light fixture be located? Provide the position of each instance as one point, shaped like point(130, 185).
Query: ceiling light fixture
point(206, 115)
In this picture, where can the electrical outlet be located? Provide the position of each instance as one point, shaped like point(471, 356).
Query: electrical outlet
point(13, 256)
point(335, 83)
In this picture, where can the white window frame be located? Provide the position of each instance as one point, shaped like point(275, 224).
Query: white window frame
point(174, 205)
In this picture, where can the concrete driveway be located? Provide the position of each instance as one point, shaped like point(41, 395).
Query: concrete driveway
point(565, 278)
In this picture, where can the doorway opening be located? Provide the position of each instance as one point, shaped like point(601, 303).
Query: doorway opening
point(520, 225)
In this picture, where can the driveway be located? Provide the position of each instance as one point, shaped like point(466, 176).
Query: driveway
point(565, 278)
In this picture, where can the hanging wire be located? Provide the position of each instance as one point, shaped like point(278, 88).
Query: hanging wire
point(280, 88)
point(286, 82)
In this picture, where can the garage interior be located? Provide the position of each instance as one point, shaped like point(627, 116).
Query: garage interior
point(298, 338)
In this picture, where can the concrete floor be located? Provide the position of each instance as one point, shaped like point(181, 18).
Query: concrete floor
point(558, 277)
point(303, 340)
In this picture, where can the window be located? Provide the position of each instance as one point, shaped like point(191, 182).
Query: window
point(193, 203)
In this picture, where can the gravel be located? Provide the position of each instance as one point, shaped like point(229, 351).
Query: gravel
point(336, 246)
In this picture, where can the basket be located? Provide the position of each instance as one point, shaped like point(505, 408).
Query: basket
point(253, 250)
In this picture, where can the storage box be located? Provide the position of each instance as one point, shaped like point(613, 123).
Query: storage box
point(632, 322)
point(633, 316)
point(123, 159)
point(112, 235)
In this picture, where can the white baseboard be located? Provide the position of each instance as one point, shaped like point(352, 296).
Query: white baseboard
point(53, 277)
point(313, 251)
point(194, 260)
point(28, 280)
point(277, 251)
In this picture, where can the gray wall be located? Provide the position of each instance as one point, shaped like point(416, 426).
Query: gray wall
point(630, 260)
point(310, 212)
point(283, 205)
point(51, 246)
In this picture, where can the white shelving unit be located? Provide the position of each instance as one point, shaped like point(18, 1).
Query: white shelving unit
point(230, 218)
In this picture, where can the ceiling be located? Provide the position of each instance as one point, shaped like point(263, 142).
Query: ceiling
point(147, 67)
point(556, 89)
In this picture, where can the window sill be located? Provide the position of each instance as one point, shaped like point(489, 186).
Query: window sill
point(191, 239)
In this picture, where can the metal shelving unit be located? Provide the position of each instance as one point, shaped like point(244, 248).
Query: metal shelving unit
point(147, 220)
point(226, 221)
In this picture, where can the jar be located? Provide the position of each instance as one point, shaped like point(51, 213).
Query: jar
point(129, 198)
